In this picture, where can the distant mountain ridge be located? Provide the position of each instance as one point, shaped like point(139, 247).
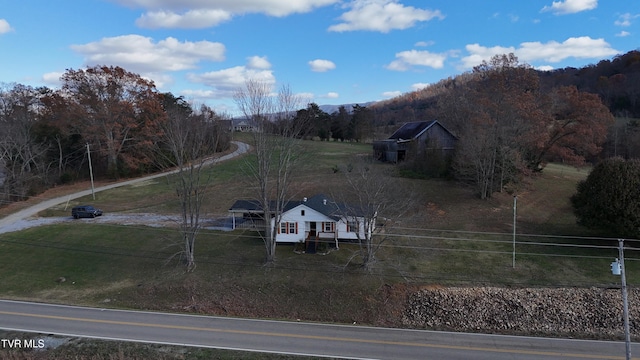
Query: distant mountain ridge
point(329, 109)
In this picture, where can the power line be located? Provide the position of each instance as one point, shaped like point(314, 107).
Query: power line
point(510, 234)
point(44, 243)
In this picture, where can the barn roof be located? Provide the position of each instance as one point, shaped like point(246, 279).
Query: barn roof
point(412, 130)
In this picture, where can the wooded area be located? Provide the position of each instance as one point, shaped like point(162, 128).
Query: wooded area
point(117, 115)
point(508, 127)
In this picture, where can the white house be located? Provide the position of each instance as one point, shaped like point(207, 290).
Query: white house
point(243, 126)
point(310, 220)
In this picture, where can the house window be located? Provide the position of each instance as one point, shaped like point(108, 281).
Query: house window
point(352, 226)
point(288, 228)
point(328, 226)
point(301, 212)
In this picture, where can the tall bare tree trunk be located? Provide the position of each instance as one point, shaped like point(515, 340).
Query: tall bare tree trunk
point(371, 192)
point(276, 151)
point(189, 138)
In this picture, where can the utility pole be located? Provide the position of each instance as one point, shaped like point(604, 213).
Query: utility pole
point(617, 268)
point(515, 204)
point(93, 193)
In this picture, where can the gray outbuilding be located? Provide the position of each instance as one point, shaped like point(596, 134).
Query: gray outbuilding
point(417, 136)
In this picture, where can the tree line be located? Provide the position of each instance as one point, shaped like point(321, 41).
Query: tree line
point(117, 115)
point(354, 124)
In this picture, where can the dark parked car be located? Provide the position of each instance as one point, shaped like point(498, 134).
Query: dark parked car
point(85, 211)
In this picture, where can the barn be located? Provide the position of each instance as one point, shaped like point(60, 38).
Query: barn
point(418, 136)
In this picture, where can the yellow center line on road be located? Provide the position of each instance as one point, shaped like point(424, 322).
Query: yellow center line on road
point(315, 337)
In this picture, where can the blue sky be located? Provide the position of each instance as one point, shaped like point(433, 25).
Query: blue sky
point(328, 51)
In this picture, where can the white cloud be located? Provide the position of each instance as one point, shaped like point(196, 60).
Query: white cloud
point(226, 82)
point(391, 94)
point(321, 65)
point(193, 19)
point(160, 80)
point(570, 6)
point(478, 53)
point(306, 97)
point(407, 59)
point(4, 26)
point(545, 68)
point(52, 78)
point(423, 43)
point(582, 47)
point(382, 16)
point(258, 62)
point(140, 54)
point(205, 13)
point(419, 86)
point(331, 95)
point(624, 20)
point(623, 34)
point(198, 94)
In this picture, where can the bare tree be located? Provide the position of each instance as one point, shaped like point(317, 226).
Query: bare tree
point(276, 150)
point(22, 159)
point(372, 193)
point(188, 139)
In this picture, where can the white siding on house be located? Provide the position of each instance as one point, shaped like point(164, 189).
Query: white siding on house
point(295, 216)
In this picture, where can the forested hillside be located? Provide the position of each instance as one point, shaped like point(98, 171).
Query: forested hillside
point(616, 82)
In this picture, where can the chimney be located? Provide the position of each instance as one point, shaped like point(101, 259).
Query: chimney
point(324, 201)
point(304, 199)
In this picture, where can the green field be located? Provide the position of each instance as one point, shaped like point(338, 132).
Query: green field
point(449, 238)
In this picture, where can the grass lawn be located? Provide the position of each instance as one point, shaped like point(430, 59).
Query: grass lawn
point(450, 237)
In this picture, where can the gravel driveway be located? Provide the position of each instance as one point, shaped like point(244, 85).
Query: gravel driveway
point(153, 220)
point(24, 218)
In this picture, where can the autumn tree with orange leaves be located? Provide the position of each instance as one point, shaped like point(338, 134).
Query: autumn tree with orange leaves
point(495, 112)
point(118, 112)
point(574, 128)
point(508, 128)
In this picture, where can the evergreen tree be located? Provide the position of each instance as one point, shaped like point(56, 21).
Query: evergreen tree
point(609, 199)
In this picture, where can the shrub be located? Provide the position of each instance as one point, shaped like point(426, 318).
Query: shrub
point(609, 199)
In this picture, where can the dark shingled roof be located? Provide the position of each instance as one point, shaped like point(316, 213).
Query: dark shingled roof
point(316, 202)
point(254, 206)
point(323, 205)
point(412, 130)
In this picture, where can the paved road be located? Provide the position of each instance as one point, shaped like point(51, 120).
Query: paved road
point(349, 342)
point(33, 210)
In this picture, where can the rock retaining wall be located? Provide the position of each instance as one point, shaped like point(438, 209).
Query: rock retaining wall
point(566, 312)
